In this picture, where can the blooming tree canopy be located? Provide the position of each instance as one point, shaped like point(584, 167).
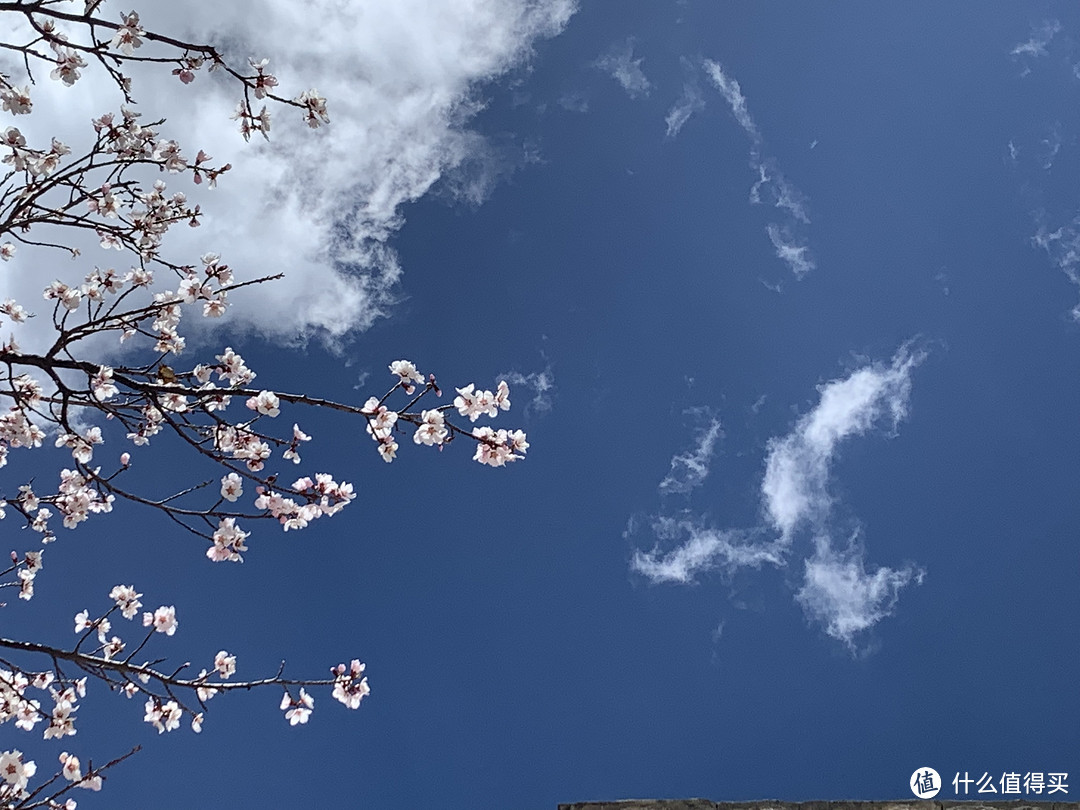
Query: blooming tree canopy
point(116, 371)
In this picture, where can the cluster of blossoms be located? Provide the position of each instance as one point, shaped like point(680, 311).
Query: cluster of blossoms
point(495, 448)
point(26, 568)
point(228, 541)
point(350, 684)
point(298, 709)
point(71, 768)
point(27, 712)
point(15, 770)
point(165, 715)
point(68, 61)
point(262, 85)
point(15, 100)
point(15, 773)
point(323, 496)
point(252, 122)
point(14, 705)
point(77, 500)
point(81, 447)
point(474, 404)
point(243, 445)
point(350, 687)
point(16, 428)
point(127, 37)
point(35, 162)
point(126, 139)
point(159, 212)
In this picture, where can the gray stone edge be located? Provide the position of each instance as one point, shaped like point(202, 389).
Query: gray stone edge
point(770, 804)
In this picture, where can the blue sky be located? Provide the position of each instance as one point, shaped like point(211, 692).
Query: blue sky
point(799, 513)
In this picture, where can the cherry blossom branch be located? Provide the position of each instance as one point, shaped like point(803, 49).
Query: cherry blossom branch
point(113, 190)
point(164, 706)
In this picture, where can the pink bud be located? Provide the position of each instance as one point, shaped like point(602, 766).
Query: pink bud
point(125, 459)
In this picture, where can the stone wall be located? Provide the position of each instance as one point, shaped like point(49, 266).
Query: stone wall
point(705, 804)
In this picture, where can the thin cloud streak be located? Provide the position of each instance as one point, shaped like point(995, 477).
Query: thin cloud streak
point(689, 103)
point(690, 469)
point(540, 383)
point(703, 549)
point(620, 64)
point(788, 250)
point(771, 187)
point(1062, 246)
point(731, 91)
point(1041, 37)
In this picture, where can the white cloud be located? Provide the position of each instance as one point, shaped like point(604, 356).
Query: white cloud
point(788, 249)
point(689, 103)
point(574, 102)
point(732, 93)
point(1051, 145)
point(540, 383)
point(701, 548)
point(840, 594)
point(794, 489)
point(837, 590)
point(620, 64)
point(690, 469)
point(1062, 246)
point(1041, 36)
point(402, 82)
point(772, 188)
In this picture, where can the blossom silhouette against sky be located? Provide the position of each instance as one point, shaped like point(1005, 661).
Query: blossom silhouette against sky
point(785, 298)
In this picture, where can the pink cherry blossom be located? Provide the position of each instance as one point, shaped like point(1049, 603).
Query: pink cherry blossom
point(163, 620)
point(231, 487)
point(126, 599)
point(298, 710)
point(432, 429)
point(265, 403)
point(225, 664)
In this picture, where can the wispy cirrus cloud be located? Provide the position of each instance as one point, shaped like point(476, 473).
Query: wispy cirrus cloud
point(1041, 36)
point(789, 250)
point(1033, 158)
point(771, 188)
point(688, 103)
point(700, 548)
point(690, 468)
point(1062, 246)
point(541, 384)
point(1050, 145)
point(837, 591)
point(619, 63)
point(731, 91)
